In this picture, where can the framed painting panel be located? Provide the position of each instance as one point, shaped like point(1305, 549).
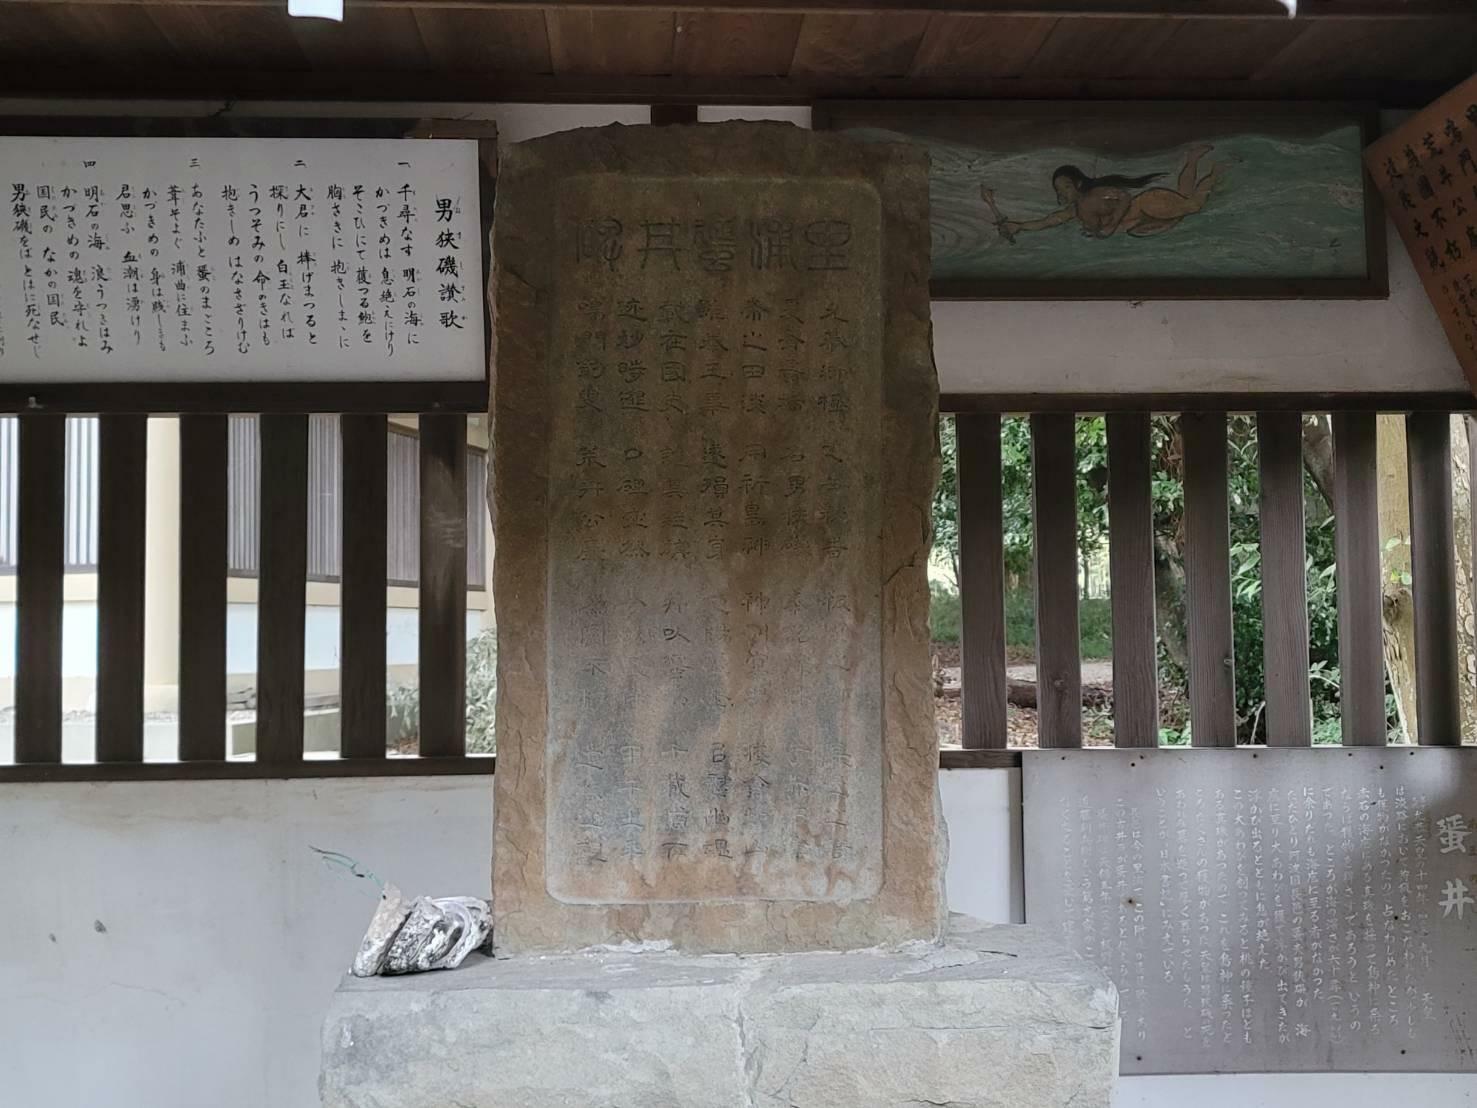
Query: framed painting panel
point(1077, 200)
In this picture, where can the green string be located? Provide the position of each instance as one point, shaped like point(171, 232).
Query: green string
point(342, 863)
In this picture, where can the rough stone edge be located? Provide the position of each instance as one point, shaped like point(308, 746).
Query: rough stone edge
point(1061, 989)
point(913, 840)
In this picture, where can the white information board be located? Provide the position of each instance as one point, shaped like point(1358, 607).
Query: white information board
point(240, 259)
point(1266, 912)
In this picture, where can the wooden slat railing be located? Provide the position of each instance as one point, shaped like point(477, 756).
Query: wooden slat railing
point(1211, 645)
point(203, 600)
point(442, 603)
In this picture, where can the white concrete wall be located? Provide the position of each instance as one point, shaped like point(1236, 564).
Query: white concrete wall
point(321, 636)
point(175, 944)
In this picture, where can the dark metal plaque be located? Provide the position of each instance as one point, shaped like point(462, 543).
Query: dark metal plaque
point(1266, 911)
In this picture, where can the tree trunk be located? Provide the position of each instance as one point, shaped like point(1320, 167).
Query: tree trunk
point(1169, 600)
point(1461, 496)
point(1318, 454)
point(1399, 605)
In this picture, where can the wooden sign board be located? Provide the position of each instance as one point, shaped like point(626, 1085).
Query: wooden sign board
point(1427, 171)
point(269, 261)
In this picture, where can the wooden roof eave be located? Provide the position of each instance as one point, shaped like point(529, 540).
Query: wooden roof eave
point(1086, 9)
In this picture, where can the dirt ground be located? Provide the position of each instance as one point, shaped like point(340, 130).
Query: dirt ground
point(1020, 723)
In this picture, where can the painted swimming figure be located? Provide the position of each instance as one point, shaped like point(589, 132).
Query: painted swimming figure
point(1106, 205)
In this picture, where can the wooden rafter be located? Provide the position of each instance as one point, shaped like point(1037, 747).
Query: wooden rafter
point(1103, 9)
point(235, 90)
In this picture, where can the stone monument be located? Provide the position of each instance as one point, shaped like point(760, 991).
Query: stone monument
point(720, 729)
point(718, 853)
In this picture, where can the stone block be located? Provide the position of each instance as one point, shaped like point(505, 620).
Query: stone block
point(996, 1016)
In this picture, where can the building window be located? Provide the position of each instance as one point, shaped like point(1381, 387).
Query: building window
point(325, 488)
point(81, 501)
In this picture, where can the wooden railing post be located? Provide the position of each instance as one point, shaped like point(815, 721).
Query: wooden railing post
point(1360, 603)
point(1284, 580)
point(41, 557)
point(443, 586)
point(1131, 568)
point(362, 666)
point(982, 582)
point(122, 477)
point(204, 461)
point(1058, 641)
point(1433, 578)
point(282, 596)
point(1208, 581)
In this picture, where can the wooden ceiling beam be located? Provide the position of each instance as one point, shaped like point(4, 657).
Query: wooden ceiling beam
point(1101, 9)
point(237, 89)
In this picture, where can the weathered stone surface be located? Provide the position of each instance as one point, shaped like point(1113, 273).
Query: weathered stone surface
point(714, 458)
point(997, 1017)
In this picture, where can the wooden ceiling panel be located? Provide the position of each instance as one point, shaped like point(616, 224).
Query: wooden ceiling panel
point(29, 32)
point(369, 37)
point(734, 44)
point(1099, 48)
point(514, 42)
point(229, 38)
point(980, 47)
point(1394, 49)
point(1224, 49)
point(858, 46)
point(627, 44)
point(617, 50)
point(115, 32)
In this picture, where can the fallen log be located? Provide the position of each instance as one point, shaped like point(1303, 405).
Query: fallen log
point(1023, 694)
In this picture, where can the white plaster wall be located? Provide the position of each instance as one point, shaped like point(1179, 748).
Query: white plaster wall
point(1389, 345)
point(175, 944)
point(321, 636)
point(79, 639)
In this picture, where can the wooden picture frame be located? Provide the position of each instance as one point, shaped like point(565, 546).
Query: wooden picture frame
point(308, 395)
point(1141, 146)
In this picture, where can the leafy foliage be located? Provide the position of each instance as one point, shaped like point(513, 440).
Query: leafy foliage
point(404, 701)
point(946, 509)
point(1244, 491)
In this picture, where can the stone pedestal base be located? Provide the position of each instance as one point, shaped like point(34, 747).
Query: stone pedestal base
point(997, 1016)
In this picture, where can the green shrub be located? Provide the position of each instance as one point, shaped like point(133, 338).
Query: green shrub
point(1095, 616)
point(404, 701)
point(943, 613)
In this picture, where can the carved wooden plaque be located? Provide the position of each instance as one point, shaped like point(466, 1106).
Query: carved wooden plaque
point(1426, 169)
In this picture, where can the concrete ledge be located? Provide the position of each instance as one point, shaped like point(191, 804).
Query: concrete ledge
point(997, 1016)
